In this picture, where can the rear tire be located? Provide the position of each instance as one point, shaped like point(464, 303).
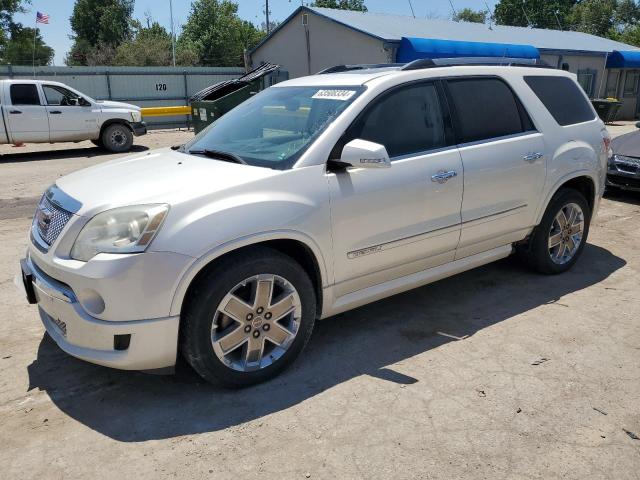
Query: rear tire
point(117, 138)
point(232, 318)
point(98, 143)
point(558, 241)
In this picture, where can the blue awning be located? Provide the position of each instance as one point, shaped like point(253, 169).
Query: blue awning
point(416, 48)
point(624, 59)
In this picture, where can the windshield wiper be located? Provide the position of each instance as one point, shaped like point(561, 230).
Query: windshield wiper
point(218, 155)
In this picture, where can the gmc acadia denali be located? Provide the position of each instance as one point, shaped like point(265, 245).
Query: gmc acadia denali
point(314, 197)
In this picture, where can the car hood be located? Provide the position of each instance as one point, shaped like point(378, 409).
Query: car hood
point(627, 145)
point(108, 104)
point(159, 176)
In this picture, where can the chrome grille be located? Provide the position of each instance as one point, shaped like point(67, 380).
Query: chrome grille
point(50, 219)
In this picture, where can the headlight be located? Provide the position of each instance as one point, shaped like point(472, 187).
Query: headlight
point(121, 230)
point(136, 116)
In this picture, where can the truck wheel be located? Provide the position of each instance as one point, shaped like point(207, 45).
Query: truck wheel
point(117, 138)
point(98, 143)
point(248, 318)
point(557, 243)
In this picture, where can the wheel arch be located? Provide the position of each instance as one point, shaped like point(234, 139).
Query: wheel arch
point(113, 121)
point(302, 249)
point(584, 182)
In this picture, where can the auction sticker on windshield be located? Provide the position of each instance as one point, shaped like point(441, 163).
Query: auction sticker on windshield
point(334, 94)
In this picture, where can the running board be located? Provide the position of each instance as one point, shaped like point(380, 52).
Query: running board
point(418, 279)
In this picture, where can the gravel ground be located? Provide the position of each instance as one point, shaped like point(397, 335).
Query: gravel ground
point(496, 373)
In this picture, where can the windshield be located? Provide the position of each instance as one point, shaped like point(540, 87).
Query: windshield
point(274, 128)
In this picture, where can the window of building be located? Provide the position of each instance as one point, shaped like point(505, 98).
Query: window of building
point(587, 80)
point(487, 108)
point(24, 94)
point(631, 84)
point(562, 97)
point(611, 90)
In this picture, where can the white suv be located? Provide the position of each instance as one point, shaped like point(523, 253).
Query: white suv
point(314, 197)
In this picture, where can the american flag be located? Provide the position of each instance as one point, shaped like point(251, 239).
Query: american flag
point(42, 17)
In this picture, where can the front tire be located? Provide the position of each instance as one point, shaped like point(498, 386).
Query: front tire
point(558, 241)
point(248, 318)
point(117, 138)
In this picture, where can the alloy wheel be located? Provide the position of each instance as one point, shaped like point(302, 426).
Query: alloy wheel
point(565, 235)
point(256, 322)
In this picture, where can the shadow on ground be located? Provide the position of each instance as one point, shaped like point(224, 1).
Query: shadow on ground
point(19, 157)
point(132, 407)
point(620, 195)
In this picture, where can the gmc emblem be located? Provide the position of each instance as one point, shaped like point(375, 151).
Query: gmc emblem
point(43, 217)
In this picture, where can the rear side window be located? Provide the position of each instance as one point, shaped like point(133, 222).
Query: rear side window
point(24, 94)
point(407, 120)
point(486, 108)
point(563, 98)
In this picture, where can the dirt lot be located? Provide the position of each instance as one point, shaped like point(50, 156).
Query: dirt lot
point(497, 373)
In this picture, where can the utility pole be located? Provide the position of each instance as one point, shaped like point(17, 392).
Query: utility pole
point(266, 12)
point(525, 15)
point(453, 9)
point(555, 12)
point(173, 34)
point(412, 11)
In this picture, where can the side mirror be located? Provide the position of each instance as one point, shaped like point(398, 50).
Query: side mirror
point(364, 154)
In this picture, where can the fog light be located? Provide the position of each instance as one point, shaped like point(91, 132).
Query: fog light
point(91, 301)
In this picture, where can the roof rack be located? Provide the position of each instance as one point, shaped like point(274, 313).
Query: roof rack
point(442, 62)
point(363, 66)
point(465, 61)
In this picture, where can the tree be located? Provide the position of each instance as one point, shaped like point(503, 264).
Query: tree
point(8, 8)
point(594, 16)
point(99, 27)
point(534, 13)
point(341, 4)
point(150, 46)
point(216, 33)
point(19, 49)
point(468, 15)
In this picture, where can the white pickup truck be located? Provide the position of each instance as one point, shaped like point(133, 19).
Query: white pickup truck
point(40, 111)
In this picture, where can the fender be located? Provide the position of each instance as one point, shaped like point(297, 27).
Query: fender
point(559, 183)
point(111, 121)
point(200, 263)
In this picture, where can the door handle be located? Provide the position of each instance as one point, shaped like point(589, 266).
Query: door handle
point(532, 157)
point(443, 177)
point(55, 112)
point(14, 111)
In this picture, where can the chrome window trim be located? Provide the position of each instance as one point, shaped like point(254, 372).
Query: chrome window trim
point(497, 139)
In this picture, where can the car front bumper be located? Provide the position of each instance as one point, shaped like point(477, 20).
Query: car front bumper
point(625, 182)
point(139, 128)
point(128, 345)
point(624, 172)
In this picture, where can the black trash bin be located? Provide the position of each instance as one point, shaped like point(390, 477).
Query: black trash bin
point(606, 108)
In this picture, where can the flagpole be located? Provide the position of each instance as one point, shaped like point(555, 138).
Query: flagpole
point(173, 35)
point(33, 58)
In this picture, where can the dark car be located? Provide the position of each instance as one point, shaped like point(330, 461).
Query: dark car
point(624, 166)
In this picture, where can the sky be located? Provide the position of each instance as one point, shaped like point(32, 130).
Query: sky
point(56, 33)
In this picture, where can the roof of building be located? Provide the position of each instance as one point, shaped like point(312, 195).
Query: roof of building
point(392, 28)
